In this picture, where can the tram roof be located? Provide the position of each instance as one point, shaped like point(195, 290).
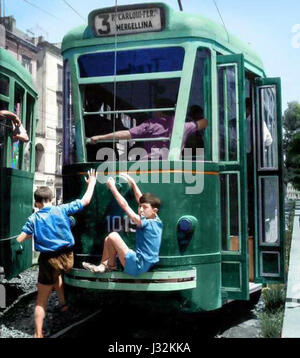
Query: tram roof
point(10, 63)
point(177, 24)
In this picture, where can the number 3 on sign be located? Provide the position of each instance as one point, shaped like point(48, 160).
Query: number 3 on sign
point(103, 24)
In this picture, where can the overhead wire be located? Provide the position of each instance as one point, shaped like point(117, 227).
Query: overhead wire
point(219, 12)
point(115, 83)
point(39, 8)
point(76, 12)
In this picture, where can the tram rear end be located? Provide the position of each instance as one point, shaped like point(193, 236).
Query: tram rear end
point(119, 70)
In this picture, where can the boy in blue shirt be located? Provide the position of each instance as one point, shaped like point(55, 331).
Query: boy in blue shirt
point(50, 227)
point(148, 234)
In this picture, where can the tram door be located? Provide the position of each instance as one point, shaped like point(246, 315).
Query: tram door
point(269, 184)
point(233, 176)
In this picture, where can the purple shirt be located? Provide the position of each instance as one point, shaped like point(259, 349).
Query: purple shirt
point(161, 127)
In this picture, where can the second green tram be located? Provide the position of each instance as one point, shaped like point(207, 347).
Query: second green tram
point(222, 213)
point(17, 165)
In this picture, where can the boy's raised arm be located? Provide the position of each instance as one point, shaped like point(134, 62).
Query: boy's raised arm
point(91, 181)
point(133, 185)
point(122, 202)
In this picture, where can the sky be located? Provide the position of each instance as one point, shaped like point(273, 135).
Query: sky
point(272, 27)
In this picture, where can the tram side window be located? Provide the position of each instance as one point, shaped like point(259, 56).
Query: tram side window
point(4, 127)
point(268, 128)
point(29, 120)
point(230, 212)
point(139, 117)
point(18, 109)
point(269, 209)
point(68, 117)
point(194, 139)
point(228, 125)
point(4, 85)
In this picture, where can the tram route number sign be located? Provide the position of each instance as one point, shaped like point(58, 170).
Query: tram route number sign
point(129, 21)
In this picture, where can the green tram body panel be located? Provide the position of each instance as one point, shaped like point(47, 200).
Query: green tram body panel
point(202, 254)
point(16, 206)
point(221, 274)
point(16, 183)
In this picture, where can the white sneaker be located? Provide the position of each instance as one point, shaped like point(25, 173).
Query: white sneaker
point(100, 269)
point(89, 267)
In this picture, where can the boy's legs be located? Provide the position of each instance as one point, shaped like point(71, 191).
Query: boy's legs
point(40, 308)
point(59, 288)
point(114, 245)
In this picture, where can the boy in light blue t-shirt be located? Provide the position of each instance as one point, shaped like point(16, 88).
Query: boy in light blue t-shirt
point(50, 227)
point(148, 234)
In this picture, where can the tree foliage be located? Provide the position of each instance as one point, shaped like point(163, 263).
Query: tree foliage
point(291, 143)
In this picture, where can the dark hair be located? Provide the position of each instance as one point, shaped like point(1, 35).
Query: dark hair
point(43, 194)
point(151, 199)
point(165, 103)
point(196, 111)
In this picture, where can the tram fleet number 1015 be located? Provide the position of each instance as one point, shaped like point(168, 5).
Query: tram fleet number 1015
point(120, 223)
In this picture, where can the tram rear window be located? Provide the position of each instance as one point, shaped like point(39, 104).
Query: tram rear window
point(131, 62)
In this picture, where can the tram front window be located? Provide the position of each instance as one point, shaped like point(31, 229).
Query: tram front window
point(145, 109)
point(131, 62)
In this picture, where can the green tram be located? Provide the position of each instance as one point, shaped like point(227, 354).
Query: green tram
point(17, 94)
point(223, 204)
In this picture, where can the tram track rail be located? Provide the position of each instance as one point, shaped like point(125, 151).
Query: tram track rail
point(19, 300)
point(65, 330)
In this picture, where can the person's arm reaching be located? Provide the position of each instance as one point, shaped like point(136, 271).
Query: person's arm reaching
point(133, 185)
point(120, 135)
point(12, 116)
point(122, 202)
point(202, 124)
point(23, 236)
point(91, 181)
point(20, 133)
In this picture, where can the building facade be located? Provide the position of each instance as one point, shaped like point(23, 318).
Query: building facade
point(44, 62)
point(49, 126)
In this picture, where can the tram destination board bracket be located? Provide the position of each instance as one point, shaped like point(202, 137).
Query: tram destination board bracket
point(127, 20)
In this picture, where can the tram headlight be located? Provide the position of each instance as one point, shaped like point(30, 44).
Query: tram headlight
point(186, 226)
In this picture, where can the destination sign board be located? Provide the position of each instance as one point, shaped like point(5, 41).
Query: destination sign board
point(129, 21)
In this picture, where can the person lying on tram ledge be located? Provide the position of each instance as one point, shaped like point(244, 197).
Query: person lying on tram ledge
point(50, 227)
point(159, 126)
point(18, 131)
point(148, 234)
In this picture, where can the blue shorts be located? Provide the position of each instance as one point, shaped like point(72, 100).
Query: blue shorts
point(135, 265)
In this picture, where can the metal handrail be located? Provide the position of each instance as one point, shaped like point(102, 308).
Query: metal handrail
point(131, 111)
point(9, 238)
point(88, 140)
